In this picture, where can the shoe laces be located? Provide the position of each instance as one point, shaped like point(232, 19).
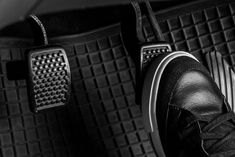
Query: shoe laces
point(216, 136)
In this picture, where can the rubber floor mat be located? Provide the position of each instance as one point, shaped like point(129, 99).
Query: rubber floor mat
point(102, 118)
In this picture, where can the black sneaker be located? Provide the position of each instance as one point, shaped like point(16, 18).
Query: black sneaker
point(185, 111)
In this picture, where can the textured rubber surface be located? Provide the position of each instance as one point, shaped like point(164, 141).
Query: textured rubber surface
point(210, 27)
point(200, 27)
point(102, 118)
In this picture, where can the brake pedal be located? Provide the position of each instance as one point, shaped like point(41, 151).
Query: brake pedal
point(148, 52)
point(141, 49)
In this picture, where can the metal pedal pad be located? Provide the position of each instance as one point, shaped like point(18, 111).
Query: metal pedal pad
point(148, 52)
point(49, 77)
point(223, 75)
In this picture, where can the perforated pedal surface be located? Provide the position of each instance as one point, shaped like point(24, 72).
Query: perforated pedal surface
point(148, 52)
point(49, 77)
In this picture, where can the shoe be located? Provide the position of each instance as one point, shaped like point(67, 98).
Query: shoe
point(184, 110)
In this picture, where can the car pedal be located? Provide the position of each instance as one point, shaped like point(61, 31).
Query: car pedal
point(49, 72)
point(149, 52)
point(49, 77)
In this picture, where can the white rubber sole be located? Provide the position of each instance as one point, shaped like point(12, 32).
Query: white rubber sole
point(149, 96)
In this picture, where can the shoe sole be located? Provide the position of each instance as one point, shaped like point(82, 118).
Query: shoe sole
point(150, 92)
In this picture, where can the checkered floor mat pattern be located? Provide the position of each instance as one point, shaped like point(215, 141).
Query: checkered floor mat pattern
point(102, 118)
